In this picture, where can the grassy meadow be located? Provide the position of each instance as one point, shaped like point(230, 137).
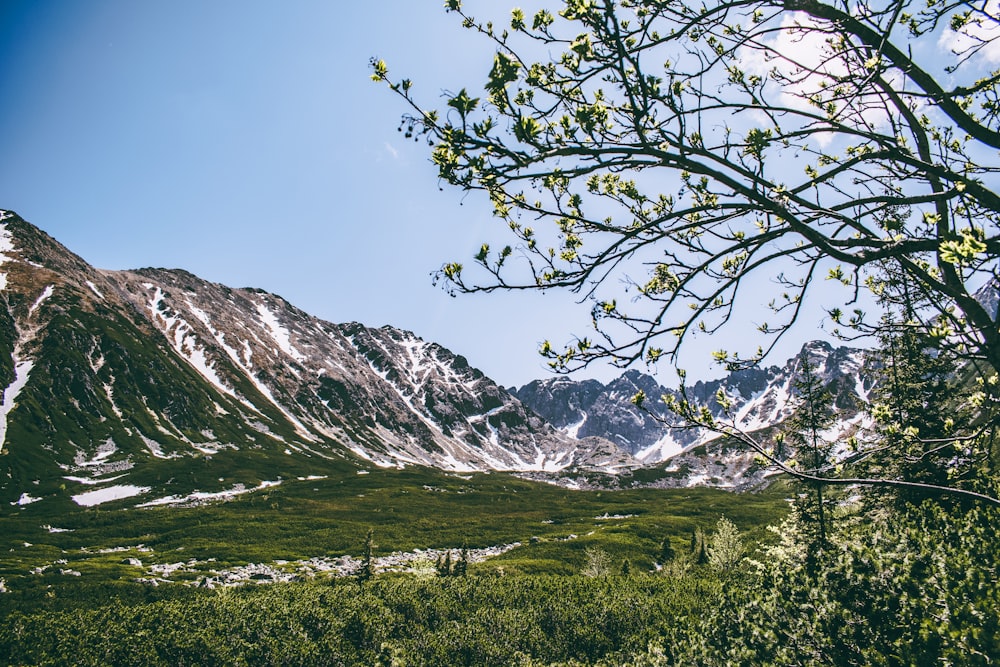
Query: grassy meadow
point(407, 509)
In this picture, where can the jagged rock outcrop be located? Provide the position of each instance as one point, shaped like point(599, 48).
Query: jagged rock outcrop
point(761, 400)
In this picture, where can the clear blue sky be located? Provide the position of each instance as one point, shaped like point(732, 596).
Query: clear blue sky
point(243, 141)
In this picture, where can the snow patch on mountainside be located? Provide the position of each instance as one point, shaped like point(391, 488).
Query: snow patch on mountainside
point(403, 394)
point(544, 463)
point(197, 358)
point(278, 333)
point(765, 408)
point(860, 389)
point(300, 428)
point(416, 355)
point(573, 430)
point(6, 245)
point(663, 449)
point(93, 287)
point(154, 447)
point(187, 344)
point(106, 495)
point(201, 497)
point(21, 371)
point(449, 462)
point(185, 341)
point(423, 364)
point(25, 499)
point(109, 392)
point(91, 481)
point(46, 293)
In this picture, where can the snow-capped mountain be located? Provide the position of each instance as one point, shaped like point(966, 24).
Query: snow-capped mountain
point(761, 400)
point(151, 382)
point(161, 387)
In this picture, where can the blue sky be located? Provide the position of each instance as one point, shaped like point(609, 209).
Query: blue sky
point(243, 141)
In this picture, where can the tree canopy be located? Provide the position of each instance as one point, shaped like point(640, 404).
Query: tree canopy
point(669, 161)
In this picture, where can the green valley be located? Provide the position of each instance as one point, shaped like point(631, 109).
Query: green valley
point(408, 510)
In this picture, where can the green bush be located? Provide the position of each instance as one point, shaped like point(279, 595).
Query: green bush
point(915, 587)
point(452, 621)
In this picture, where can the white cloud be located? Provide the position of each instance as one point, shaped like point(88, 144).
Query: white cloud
point(799, 51)
point(391, 151)
point(983, 29)
point(801, 54)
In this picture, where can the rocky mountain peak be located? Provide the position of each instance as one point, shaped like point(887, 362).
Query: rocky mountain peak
point(761, 399)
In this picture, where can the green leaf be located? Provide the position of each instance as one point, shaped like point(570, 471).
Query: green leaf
point(542, 19)
point(463, 103)
point(517, 19)
point(504, 71)
point(527, 129)
point(379, 69)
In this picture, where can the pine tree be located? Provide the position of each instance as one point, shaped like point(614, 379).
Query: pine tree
point(919, 410)
point(667, 552)
point(598, 563)
point(462, 565)
point(699, 548)
point(726, 548)
point(815, 413)
point(935, 406)
point(367, 569)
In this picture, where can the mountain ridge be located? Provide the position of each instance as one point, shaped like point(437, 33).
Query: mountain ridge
point(112, 371)
point(761, 400)
point(153, 384)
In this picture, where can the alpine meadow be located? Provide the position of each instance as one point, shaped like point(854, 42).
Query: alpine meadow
point(804, 192)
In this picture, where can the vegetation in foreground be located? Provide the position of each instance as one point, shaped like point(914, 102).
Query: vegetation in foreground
point(454, 621)
point(72, 596)
point(903, 587)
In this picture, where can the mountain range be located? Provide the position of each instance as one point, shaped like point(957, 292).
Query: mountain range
point(760, 400)
point(158, 387)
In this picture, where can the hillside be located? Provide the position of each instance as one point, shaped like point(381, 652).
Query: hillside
point(159, 386)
